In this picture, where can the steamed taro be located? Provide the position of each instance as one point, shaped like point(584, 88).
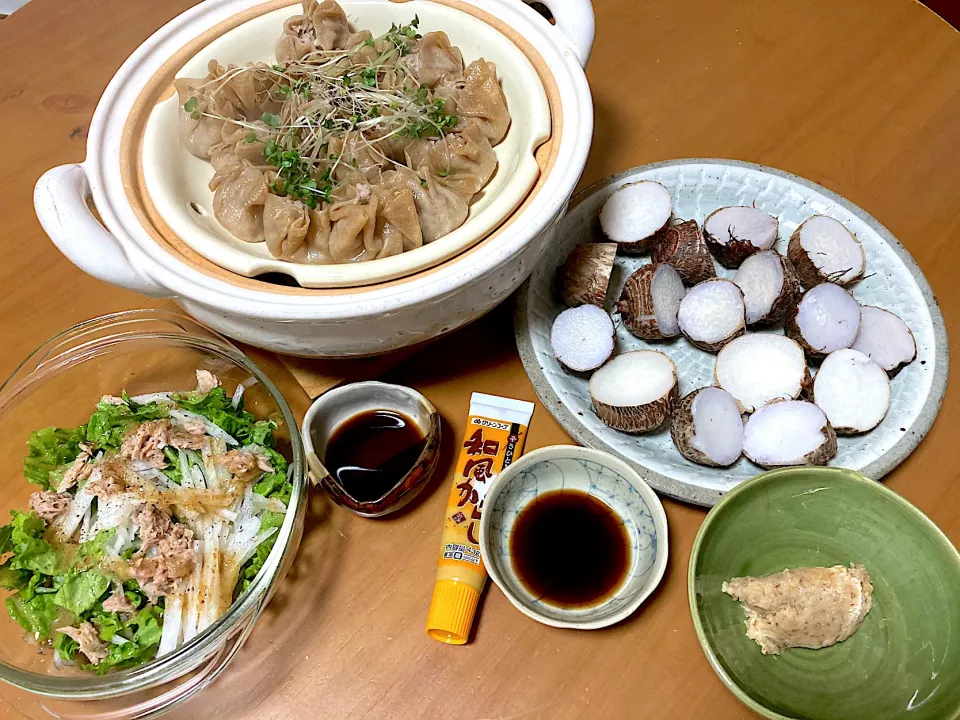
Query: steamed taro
point(349, 148)
point(711, 314)
point(650, 301)
point(770, 287)
point(582, 337)
point(761, 367)
point(145, 524)
point(735, 233)
point(707, 427)
point(823, 250)
point(827, 318)
point(635, 392)
point(682, 245)
point(853, 391)
point(790, 432)
point(635, 213)
point(584, 277)
point(885, 338)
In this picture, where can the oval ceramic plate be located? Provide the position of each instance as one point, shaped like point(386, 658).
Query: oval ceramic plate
point(699, 187)
point(903, 661)
point(177, 181)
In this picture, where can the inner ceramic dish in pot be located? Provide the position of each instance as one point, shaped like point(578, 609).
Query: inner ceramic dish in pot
point(176, 182)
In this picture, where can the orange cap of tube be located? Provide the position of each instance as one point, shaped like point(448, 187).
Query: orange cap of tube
point(451, 612)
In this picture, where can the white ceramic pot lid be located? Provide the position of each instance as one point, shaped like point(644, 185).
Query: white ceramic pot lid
point(177, 181)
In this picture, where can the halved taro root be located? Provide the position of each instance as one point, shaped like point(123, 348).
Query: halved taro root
point(634, 214)
point(585, 276)
point(885, 338)
point(789, 432)
point(823, 250)
point(635, 392)
point(761, 367)
point(770, 287)
point(734, 233)
point(582, 337)
point(650, 300)
point(827, 318)
point(707, 428)
point(853, 391)
point(712, 314)
point(683, 247)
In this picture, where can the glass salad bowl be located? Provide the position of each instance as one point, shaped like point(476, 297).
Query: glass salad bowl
point(140, 352)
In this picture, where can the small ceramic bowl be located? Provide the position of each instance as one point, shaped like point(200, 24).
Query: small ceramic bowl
point(335, 407)
point(605, 478)
point(903, 661)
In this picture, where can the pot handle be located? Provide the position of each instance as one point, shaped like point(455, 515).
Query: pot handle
point(60, 199)
point(575, 20)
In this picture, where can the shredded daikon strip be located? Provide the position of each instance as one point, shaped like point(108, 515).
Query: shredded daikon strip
point(260, 539)
point(199, 481)
point(87, 529)
point(121, 541)
point(228, 515)
point(209, 469)
point(272, 504)
point(211, 428)
point(172, 624)
point(119, 640)
point(210, 610)
point(237, 395)
point(194, 593)
point(160, 397)
point(114, 510)
point(71, 519)
point(186, 477)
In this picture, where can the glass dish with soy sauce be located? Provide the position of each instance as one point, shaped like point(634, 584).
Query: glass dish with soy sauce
point(372, 445)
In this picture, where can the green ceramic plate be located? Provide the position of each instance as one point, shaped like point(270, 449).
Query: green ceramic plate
point(903, 662)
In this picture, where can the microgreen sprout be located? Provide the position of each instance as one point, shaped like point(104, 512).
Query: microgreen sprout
point(341, 95)
point(192, 106)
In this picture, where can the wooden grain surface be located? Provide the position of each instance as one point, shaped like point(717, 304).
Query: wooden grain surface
point(859, 95)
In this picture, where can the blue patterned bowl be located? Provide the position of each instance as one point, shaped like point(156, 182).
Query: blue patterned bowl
point(604, 477)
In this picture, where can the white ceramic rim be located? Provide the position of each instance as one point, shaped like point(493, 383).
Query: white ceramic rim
point(517, 170)
point(601, 458)
point(102, 168)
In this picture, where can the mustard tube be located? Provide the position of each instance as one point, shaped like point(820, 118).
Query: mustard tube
point(494, 438)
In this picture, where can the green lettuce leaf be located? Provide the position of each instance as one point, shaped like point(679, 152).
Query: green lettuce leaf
point(30, 550)
point(143, 631)
point(217, 408)
point(11, 579)
point(109, 423)
point(262, 433)
point(6, 539)
point(79, 592)
point(65, 645)
point(92, 551)
point(48, 450)
point(34, 615)
point(274, 484)
point(109, 624)
point(173, 470)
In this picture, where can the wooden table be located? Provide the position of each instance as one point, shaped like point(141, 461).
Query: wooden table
point(859, 95)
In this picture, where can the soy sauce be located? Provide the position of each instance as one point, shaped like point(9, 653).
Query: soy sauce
point(570, 549)
point(371, 452)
